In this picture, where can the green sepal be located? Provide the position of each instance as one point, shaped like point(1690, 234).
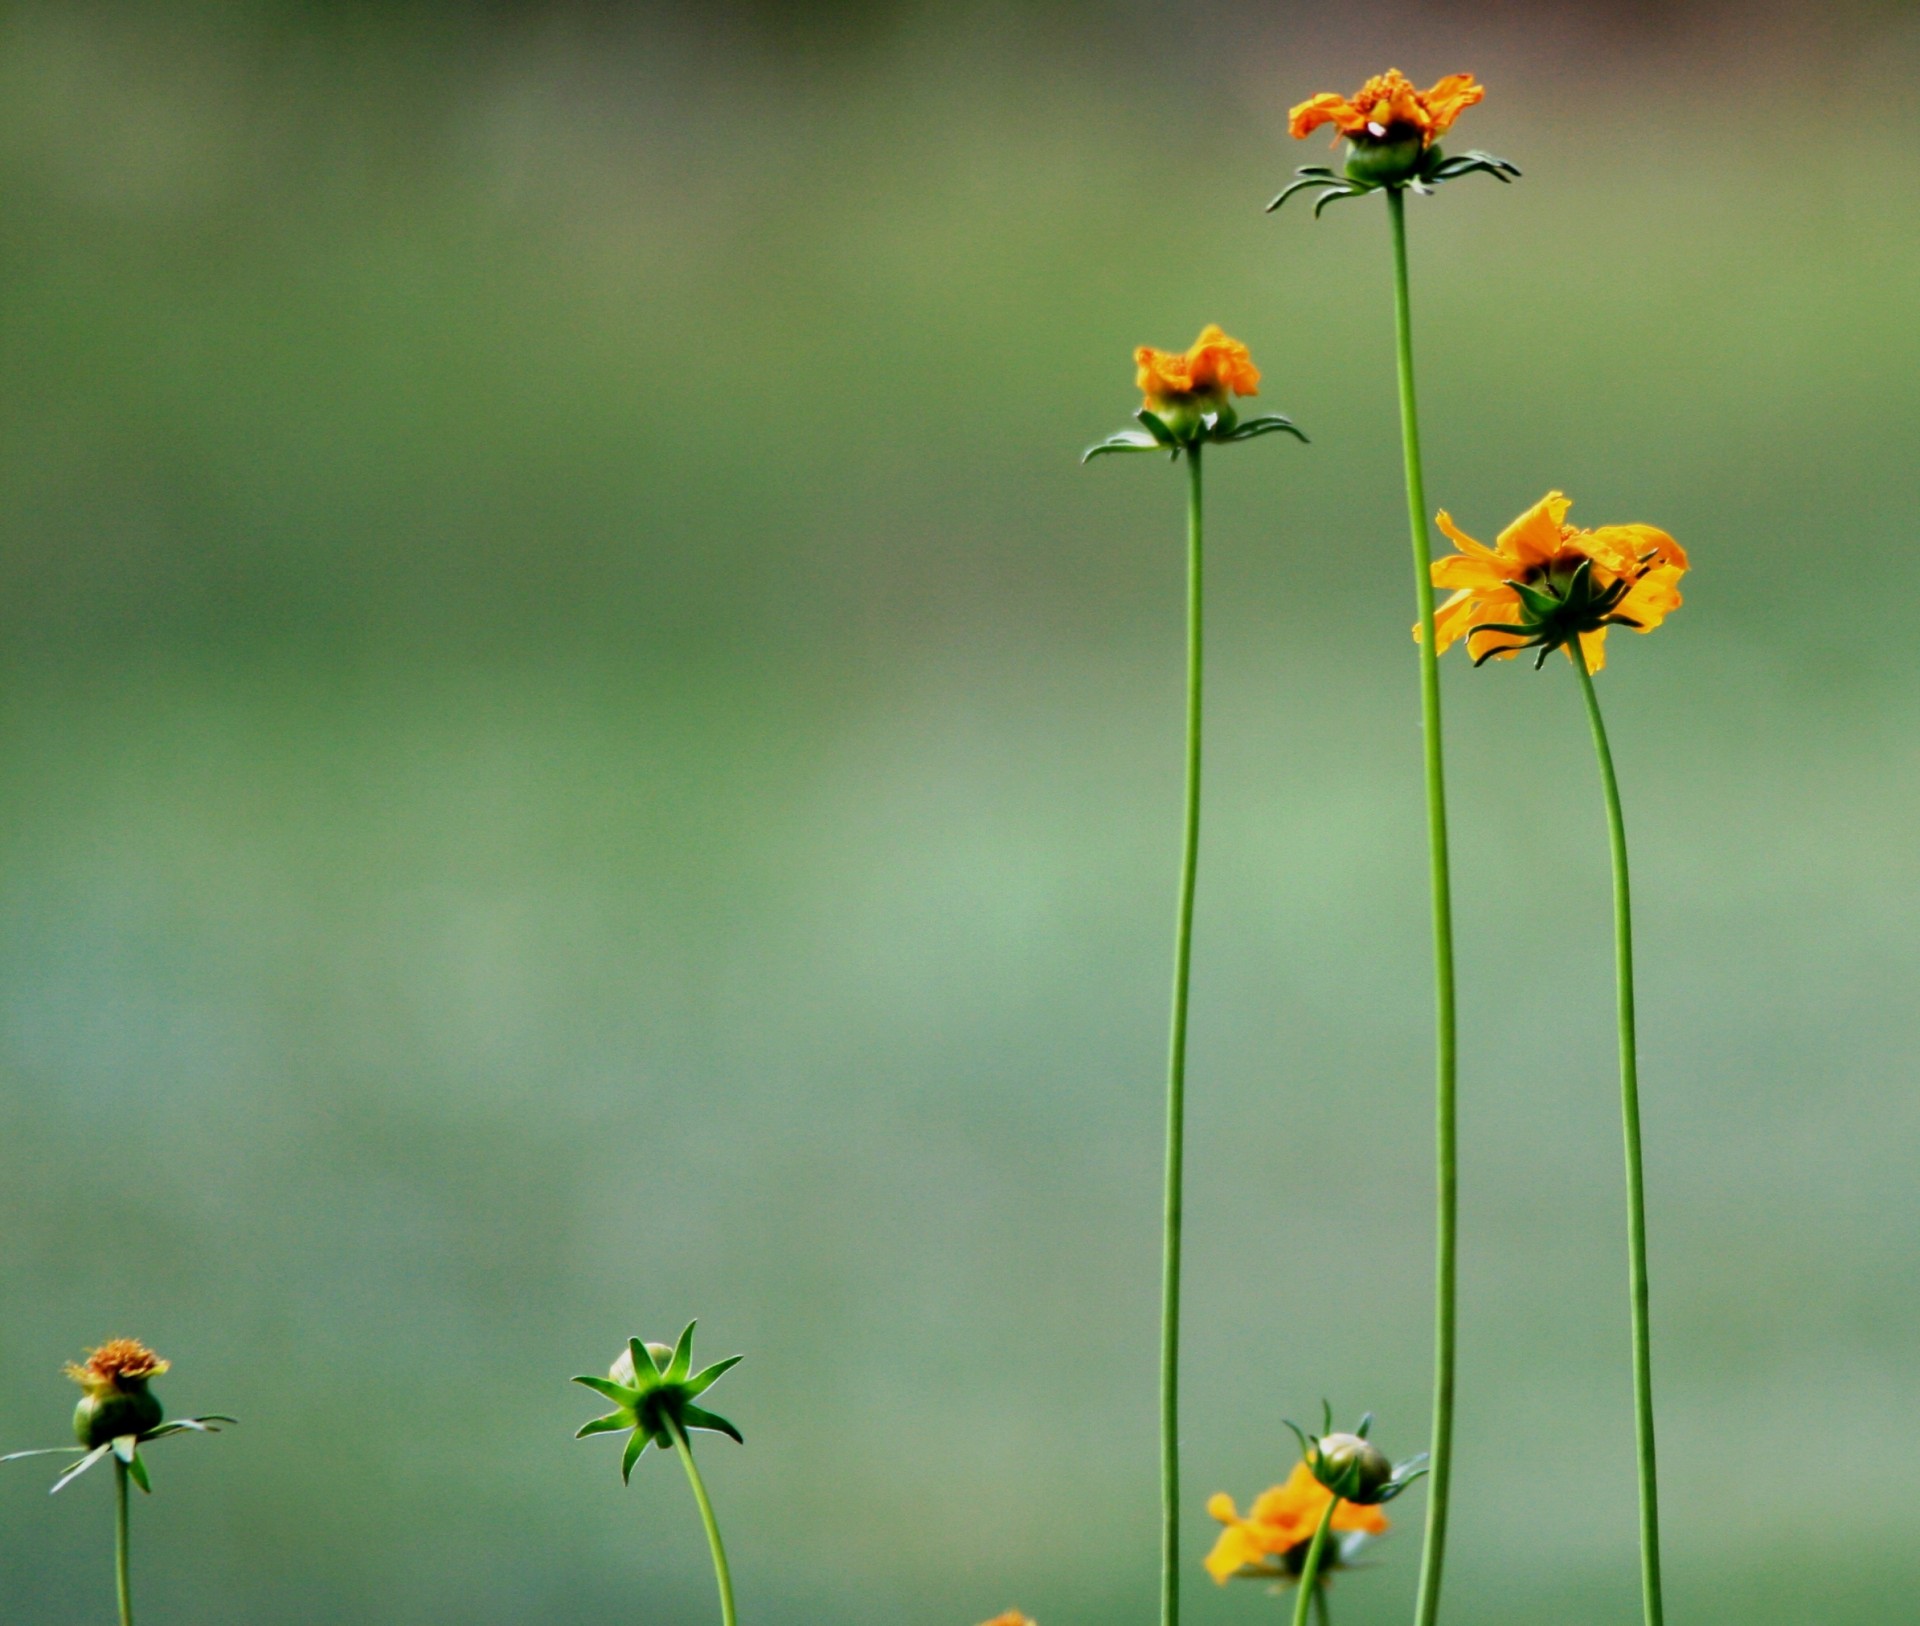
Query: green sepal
point(137, 1470)
point(700, 1382)
point(126, 1447)
point(618, 1393)
point(98, 1453)
point(612, 1423)
point(636, 1444)
point(1157, 427)
point(1125, 440)
point(681, 1362)
point(1267, 424)
point(694, 1417)
point(45, 1451)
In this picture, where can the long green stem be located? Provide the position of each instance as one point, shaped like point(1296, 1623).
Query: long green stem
point(1310, 1571)
point(122, 1544)
point(1177, 1083)
point(1322, 1615)
point(721, 1573)
point(1446, 1240)
point(1654, 1605)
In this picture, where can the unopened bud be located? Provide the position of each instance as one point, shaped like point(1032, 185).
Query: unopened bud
point(1350, 1467)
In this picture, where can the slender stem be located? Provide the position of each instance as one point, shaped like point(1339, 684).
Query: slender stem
point(1322, 1615)
point(1310, 1571)
point(122, 1544)
point(1654, 1605)
point(1446, 1146)
point(721, 1573)
point(1177, 1083)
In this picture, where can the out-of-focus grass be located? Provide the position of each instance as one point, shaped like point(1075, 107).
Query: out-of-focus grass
point(576, 750)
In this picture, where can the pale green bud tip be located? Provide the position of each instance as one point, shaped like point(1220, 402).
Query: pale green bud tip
point(1351, 1467)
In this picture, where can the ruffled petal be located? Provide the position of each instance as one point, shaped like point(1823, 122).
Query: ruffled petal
point(1534, 537)
point(1460, 539)
point(1451, 97)
point(1326, 108)
point(1653, 598)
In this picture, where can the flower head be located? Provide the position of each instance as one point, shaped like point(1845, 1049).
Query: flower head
point(1351, 1466)
point(119, 1366)
point(118, 1413)
point(1187, 398)
point(1271, 1542)
point(652, 1389)
point(1209, 369)
point(1393, 136)
point(1545, 583)
point(1387, 109)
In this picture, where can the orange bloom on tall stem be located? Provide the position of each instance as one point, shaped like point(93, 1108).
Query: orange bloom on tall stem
point(1281, 1520)
point(1387, 108)
point(1211, 367)
point(1545, 583)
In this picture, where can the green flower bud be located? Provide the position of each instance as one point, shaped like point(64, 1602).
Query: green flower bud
point(117, 1400)
point(1351, 1467)
point(1392, 162)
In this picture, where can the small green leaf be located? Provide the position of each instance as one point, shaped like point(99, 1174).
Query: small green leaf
point(612, 1423)
point(700, 1382)
point(1269, 424)
point(632, 1454)
point(694, 1417)
point(137, 1467)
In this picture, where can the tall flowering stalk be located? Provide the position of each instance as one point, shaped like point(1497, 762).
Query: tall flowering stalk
point(1547, 586)
point(117, 1413)
point(1392, 132)
point(653, 1389)
point(1187, 405)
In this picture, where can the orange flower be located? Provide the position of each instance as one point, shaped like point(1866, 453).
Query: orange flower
point(1012, 1617)
point(1388, 109)
point(1211, 367)
point(1545, 583)
point(1280, 1520)
point(118, 1365)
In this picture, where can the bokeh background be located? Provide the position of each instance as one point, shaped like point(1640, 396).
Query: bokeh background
point(576, 750)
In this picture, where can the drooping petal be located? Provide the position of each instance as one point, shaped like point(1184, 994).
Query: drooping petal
point(1653, 598)
point(1460, 539)
point(1593, 645)
point(1237, 1547)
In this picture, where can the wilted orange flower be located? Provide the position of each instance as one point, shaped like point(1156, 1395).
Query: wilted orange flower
point(1387, 108)
point(1280, 1520)
point(115, 1365)
point(1633, 580)
point(1212, 366)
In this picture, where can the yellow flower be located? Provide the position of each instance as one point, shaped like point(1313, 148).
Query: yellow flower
point(1279, 1526)
point(1210, 368)
point(1012, 1617)
point(1545, 583)
point(1388, 109)
point(119, 1366)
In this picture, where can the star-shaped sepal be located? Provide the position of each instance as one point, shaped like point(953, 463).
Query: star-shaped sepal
point(124, 1447)
point(1558, 610)
point(1187, 425)
point(1372, 168)
point(1352, 1467)
point(653, 1389)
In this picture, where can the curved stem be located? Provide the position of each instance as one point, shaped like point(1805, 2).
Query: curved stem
point(1446, 1147)
point(1177, 1083)
point(1322, 1614)
point(1310, 1571)
point(122, 1544)
point(1654, 1605)
point(721, 1573)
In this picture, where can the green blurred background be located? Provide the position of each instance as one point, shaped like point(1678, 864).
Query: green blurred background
point(576, 750)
